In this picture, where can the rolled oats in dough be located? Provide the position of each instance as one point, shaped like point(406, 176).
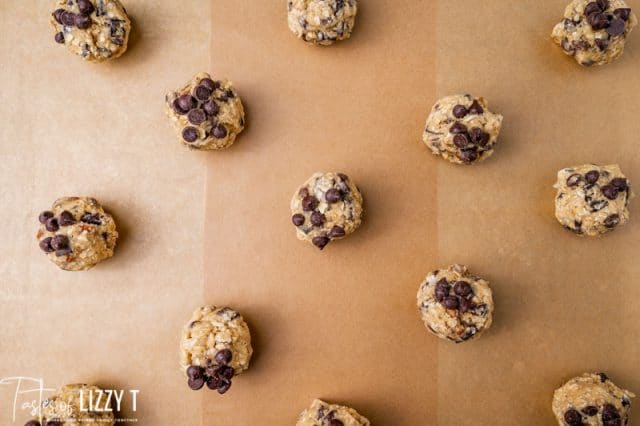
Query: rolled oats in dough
point(327, 207)
point(454, 304)
point(591, 400)
point(96, 30)
point(69, 407)
point(208, 114)
point(76, 234)
point(461, 129)
point(323, 414)
point(215, 347)
point(592, 200)
point(594, 32)
point(322, 21)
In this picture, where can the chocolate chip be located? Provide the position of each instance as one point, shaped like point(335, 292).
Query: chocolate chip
point(57, 15)
point(603, 377)
point(602, 43)
point(67, 18)
point(214, 382)
point(458, 128)
point(45, 245)
point(612, 221)
point(211, 108)
point(344, 177)
point(333, 195)
point(309, 203)
point(44, 216)
point(195, 372)
point(590, 410)
point(610, 191)
point(592, 8)
point(202, 93)
point(303, 192)
point(59, 38)
point(442, 289)
point(462, 288)
point(196, 116)
point(604, 4)
point(572, 417)
point(82, 22)
point(225, 372)
point(622, 13)
point(451, 302)
point(223, 357)
point(92, 219)
point(229, 94)
point(85, 7)
point(620, 184)
point(297, 219)
point(219, 131)
point(597, 205)
point(59, 242)
point(320, 242)
point(466, 305)
point(66, 219)
point(609, 412)
point(184, 104)
point(461, 140)
point(224, 386)
point(335, 422)
point(51, 224)
point(209, 84)
point(592, 176)
point(32, 423)
point(54, 422)
point(468, 155)
point(574, 179)
point(616, 27)
point(190, 134)
point(196, 383)
point(479, 136)
point(625, 402)
point(317, 218)
point(337, 232)
point(476, 108)
point(598, 21)
point(459, 111)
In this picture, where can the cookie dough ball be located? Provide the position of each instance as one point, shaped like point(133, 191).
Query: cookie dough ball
point(76, 234)
point(594, 32)
point(454, 304)
point(592, 200)
point(327, 207)
point(97, 30)
point(69, 407)
point(207, 113)
point(323, 414)
point(461, 129)
point(322, 21)
point(215, 346)
point(591, 400)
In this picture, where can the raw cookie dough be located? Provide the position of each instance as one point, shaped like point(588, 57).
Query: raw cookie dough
point(65, 409)
point(207, 113)
point(461, 129)
point(594, 32)
point(322, 21)
point(97, 30)
point(327, 207)
point(591, 400)
point(454, 304)
point(215, 346)
point(592, 200)
point(323, 414)
point(76, 233)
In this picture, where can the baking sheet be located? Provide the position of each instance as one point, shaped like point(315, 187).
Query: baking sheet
point(214, 227)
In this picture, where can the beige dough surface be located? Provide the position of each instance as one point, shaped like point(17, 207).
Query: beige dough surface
point(327, 207)
point(454, 304)
point(594, 32)
point(207, 114)
point(96, 32)
point(591, 400)
point(65, 407)
point(461, 129)
point(321, 413)
point(322, 21)
point(592, 200)
point(77, 233)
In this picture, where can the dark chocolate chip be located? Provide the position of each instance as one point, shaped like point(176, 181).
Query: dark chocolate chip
point(224, 386)
point(85, 7)
point(317, 218)
point(82, 22)
point(44, 216)
point(196, 383)
point(45, 245)
point(598, 21)
point(309, 203)
point(196, 116)
point(603, 377)
point(63, 252)
point(297, 219)
point(610, 191)
point(468, 155)
point(343, 177)
point(66, 219)
point(442, 289)
point(620, 184)
point(597, 205)
point(219, 132)
point(184, 104)
point(92, 219)
point(590, 410)
point(458, 128)
point(209, 84)
point(609, 412)
point(195, 372)
point(59, 242)
point(462, 288)
point(466, 305)
point(592, 176)
point(602, 43)
point(612, 221)
point(57, 15)
point(572, 417)
point(459, 111)
point(622, 13)
point(51, 224)
point(333, 195)
point(229, 94)
point(616, 27)
point(68, 18)
point(604, 4)
point(211, 108)
point(625, 402)
point(225, 372)
point(214, 382)
point(190, 134)
point(303, 192)
point(320, 242)
point(59, 38)
point(476, 108)
point(223, 357)
point(54, 422)
point(337, 232)
point(592, 8)
point(461, 140)
point(32, 423)
point(479, 136)
point(574, 179)
point(202, 93)
point(335, 422)
point(451, 302)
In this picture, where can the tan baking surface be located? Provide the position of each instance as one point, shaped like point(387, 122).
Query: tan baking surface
point(340, 324)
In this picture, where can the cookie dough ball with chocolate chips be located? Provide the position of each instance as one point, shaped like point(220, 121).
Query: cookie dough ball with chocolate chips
point(594, 32)
point(454, 304)
point(327, 207)
point(215, 347)
point(321, 413)
point(96, 30)
point(76, 234)
point(461, 129)
point(592, 200)
point(208, 114)
point(322, 21)
point(591, 400)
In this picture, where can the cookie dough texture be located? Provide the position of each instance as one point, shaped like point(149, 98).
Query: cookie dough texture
point(322, 21)
point(76, 234)
point(214, 338)
point(592, 200)
point(96, 30)
point(207, 114)
point(327, 207)
point(65, 407)
point(321, 413)
point(591, 400)
point(461, 129)
point(594, 32)
point(454, 304)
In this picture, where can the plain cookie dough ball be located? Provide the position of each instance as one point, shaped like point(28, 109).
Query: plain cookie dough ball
point(594, 32)
point(76, 234)
point(323, 414)
point(97, 30)
point(592, 200)
point(454, 304)
point(65, 408)
point(327, 207)
point(207, 113)
point(461, 129)
point(215, 346)
point(322, 21)
point(591, 400)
